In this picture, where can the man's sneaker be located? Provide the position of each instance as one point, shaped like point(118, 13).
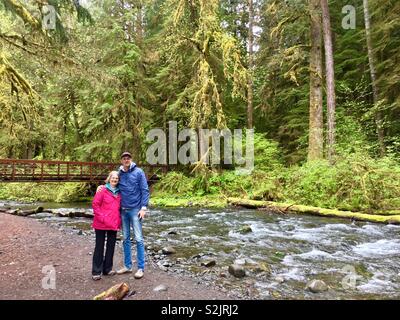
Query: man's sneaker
point(96, 277)
point(139, 274)
point(124, 270)
point(111, 273)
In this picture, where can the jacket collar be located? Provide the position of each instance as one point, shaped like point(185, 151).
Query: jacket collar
point(131, 168)
point(114, 191)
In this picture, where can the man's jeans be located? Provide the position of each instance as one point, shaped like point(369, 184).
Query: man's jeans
point(130, 218)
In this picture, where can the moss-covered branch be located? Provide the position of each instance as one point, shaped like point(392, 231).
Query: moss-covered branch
point(18, 8)
point(300, 209)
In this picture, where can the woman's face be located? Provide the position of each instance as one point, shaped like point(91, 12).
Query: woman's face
point(114, 180)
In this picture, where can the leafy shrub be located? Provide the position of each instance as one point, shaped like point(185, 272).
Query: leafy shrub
point(46, 192)
point(267, 155)
point(175, 183)
point(356, 182)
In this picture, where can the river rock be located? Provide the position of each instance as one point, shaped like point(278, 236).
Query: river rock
point(166, 264)
point(279, 279)
point(263, 267)
point(237, 270)
point(197, 256)
point(240, 262)
point(160, 288)
point(317, 286)
point(168, 250)
point(163, 268)
point(245, 229)
point(208, 263)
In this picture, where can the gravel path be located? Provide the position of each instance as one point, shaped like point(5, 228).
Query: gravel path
point(27, 245)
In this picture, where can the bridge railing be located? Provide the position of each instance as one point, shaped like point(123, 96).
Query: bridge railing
point(15, 170)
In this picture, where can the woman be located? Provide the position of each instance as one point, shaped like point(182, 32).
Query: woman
point(107, 221)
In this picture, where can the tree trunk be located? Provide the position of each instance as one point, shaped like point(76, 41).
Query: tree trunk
point(64, 137)
point(371, 61)
point(330, 79)
point(251, 65)
point(141, 73)
point(316, 137)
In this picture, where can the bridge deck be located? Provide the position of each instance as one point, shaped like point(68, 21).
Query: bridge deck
point(13, 170)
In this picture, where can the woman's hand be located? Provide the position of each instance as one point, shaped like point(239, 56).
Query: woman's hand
point(99, 188)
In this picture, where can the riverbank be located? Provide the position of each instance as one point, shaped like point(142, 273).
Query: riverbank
point(162, 200)
point(27, 246)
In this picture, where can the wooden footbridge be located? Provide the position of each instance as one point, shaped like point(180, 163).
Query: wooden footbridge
point(14, 170)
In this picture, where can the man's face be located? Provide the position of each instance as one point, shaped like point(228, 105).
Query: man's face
point(126, 161)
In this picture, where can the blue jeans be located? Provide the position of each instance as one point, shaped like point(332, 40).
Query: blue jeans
point(130, 218)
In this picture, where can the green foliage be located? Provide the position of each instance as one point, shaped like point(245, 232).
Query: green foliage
point(356, 182)
point(267, 154)
point(46, 192)
point(131, 66)
point(175, 183)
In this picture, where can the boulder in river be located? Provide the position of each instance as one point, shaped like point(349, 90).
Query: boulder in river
point(317, 286)
point(262, 267)
point(237, 270)
point(245, 229)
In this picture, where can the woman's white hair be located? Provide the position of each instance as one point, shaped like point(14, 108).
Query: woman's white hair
point(112, 173)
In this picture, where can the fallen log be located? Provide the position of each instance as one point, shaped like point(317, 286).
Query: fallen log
point(278, 207)
point(22, 213)
point(4, 209)
point(73, 213)
point(25, 213)
point(13, 212)
point(117, 292)
point(83, 214)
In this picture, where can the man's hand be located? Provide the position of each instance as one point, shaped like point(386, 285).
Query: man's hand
point(99, 188)
point(141, 214)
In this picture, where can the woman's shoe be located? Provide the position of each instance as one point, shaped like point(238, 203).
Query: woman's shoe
point(111, 273)
point(96, 277)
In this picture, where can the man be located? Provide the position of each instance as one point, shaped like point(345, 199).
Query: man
point(134, 200)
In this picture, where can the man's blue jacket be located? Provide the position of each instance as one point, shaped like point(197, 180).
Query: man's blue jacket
point(133, 187)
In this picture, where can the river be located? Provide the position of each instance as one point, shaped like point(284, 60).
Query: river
point(356, 260)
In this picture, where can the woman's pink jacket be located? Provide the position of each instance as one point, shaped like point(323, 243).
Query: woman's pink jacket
point(106, 207)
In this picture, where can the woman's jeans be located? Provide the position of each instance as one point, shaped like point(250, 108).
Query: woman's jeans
point(130, 218)
point(103, 264)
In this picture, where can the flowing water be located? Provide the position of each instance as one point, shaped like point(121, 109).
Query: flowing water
point(356, 260)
